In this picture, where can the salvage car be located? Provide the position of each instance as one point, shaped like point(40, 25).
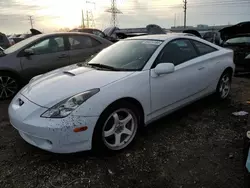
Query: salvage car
point(100, 104)
point(42, 53)
point(94, 32)
point(241, 46)
point(4, 41)
point(237, 38)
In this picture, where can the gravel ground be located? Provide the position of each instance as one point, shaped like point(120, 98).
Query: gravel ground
point(198, 146)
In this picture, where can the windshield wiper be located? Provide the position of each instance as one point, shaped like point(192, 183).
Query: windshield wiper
point(103, 66)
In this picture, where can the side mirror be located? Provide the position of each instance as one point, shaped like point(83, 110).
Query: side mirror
point(164, 68)
point(28, 52)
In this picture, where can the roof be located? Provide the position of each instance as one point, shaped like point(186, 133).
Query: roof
point(162, 37)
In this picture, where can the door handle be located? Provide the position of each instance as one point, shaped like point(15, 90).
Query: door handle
point(201, 68)
point(63, 56)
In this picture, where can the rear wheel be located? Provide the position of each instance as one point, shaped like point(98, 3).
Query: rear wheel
point(9, 86)
point(224, 85)
point(116, 128)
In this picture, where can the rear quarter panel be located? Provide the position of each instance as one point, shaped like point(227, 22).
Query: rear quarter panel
point(224, 60)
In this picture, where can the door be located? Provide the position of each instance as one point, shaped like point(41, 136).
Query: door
point(207, 61)
point(170, 90)
point(82, 47)
point(48, 54)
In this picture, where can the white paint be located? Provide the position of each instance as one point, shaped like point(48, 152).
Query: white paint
point(158, 95)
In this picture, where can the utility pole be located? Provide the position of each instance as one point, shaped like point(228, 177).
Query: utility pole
point(175, 20)
point(31, 21)
point(185, 13)
point(114, 11)
point(83, 26)
point(87, 17)
point(89, 14)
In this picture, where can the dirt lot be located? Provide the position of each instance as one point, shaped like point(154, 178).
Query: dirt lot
point(199, 146)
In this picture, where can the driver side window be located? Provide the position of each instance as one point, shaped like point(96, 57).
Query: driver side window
point(177, 52)
point(49, 45)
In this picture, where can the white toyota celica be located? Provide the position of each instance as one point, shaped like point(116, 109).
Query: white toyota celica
point(100, 104)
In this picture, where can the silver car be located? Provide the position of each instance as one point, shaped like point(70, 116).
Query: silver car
point(42, 53)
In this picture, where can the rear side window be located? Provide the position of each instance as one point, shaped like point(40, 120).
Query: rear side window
point(203, 48)
point(82, 42)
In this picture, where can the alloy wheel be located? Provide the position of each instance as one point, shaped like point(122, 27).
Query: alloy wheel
point(119, 129)
point(8, 87)
point(225, 86)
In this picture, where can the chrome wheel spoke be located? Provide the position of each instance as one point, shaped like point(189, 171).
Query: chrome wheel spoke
point(1, 93)
point(109, 132)
point(127, 119)
point(127, 131)
point(117, 139)
point(1, 79)
point(8, 88)
point(5, 92)
point(116, 118)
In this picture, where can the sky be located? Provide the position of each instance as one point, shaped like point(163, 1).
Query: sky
point(51, 15)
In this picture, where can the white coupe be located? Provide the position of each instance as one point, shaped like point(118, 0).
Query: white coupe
point(100, 104)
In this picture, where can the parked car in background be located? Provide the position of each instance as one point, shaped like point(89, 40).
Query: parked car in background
point(94, 32)
point(241, 46)
point(42, 53)
point(212, 36)
point(100, 104)
point(237, 38)
point(4, 41)
point(16, 39)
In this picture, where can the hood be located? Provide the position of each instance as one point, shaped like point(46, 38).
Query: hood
point(241, 28)
point(49, 89)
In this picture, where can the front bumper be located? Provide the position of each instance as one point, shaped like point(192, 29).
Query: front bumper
point(54, 135)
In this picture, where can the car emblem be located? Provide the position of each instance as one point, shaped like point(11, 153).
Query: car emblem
point(20, 102)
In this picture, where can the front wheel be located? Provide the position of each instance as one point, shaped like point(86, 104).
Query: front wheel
point(224, 85)
point(116, 128)
point(9, 86)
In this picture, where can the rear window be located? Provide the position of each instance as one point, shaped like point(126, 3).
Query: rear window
point(239, 40)
point(203, 48)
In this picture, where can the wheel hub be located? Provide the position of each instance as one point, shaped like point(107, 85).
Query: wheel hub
point(119, 128)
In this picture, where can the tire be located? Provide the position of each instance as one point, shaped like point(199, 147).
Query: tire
point(9, 85)
point(224, 85)
point(112, 133)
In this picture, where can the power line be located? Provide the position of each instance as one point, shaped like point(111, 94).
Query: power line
point(224, 3)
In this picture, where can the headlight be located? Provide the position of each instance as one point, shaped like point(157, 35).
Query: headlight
point(65, 107)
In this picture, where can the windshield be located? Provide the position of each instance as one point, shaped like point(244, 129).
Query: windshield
point(130, 55)
point(20, 44)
